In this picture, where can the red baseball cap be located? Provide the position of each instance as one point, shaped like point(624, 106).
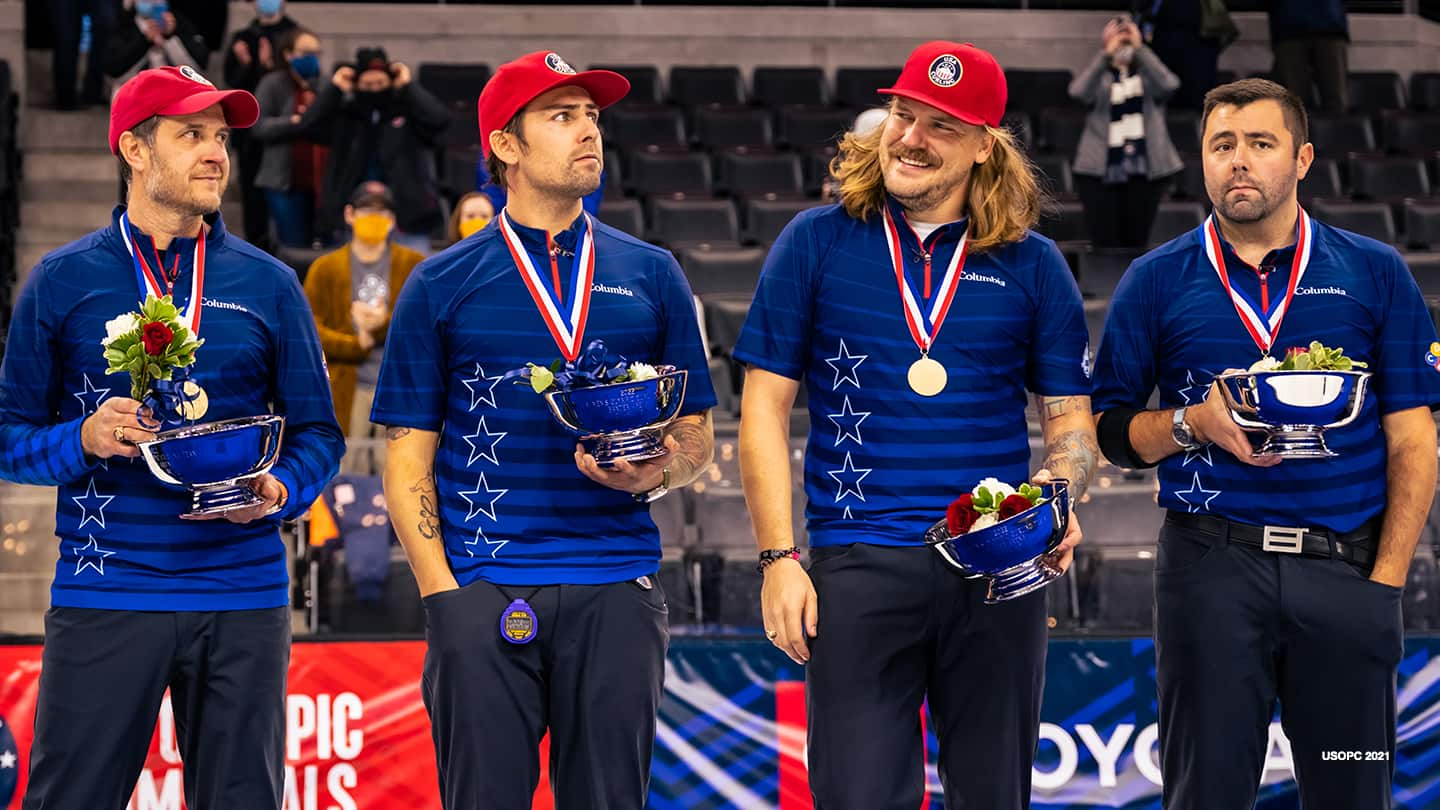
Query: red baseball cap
point(959, 79)
point(520, 82)
point(175, 91)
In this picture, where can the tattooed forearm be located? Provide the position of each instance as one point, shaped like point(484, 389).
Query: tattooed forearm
point(1073, 455)
point(696, 439)
point(429, 523)
point(396, 433)
point(1056, 407)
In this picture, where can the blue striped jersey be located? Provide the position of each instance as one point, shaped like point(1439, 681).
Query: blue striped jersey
point(1173, 326)
point(122, 543)
point(882, 462)
point(514, 510)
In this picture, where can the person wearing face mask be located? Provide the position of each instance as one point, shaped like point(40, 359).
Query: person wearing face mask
point(291, 168)
point(1125, 159)
point(351, 291)
point(472, 213)
point(381, 126)
point(151, 34)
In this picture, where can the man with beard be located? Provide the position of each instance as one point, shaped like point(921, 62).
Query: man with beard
point(932, 230)
point(144, 600)
point(1273, 579)
point(537, 565)
point(380, 125)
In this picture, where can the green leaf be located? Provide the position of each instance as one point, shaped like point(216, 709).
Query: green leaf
point(153, 371)
point(541, 378)
point(1032, 492)
point(556, 366)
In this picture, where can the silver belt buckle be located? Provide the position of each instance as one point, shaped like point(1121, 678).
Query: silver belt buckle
point(1283, 539)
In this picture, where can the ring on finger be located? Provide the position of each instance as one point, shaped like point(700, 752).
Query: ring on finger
point(119, 434)
point(772, 634)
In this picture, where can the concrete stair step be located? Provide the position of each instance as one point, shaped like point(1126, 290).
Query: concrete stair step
point(69, 191)
point(22, 622)
point(25, 592)
point(54, 214)
point(45, 130)
point(60, 166)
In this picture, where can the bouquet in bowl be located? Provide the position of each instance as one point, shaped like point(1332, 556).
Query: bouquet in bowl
point(595, 366)
point(990, 502)
point(1315, 357)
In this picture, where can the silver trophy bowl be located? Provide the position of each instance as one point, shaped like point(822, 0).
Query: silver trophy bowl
point(1014, 554)
point(1294, 408)
point(621, 421)
point(216, 461)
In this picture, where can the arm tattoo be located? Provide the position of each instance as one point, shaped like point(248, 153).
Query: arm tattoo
point(696, 446)
point(429, 525)
point(1073, 455)
point(396, 433)
point(1055, 407)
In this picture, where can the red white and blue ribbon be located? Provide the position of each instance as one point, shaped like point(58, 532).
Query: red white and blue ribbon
point(567, 328)
point(153, 282)
point(1263, 327)
point(924, 330)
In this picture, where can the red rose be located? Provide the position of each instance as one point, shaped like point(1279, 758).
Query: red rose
point(1013, 505)
point(961, 515)
point(156, 337)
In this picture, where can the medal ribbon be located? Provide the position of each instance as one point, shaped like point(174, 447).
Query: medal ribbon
point(1263, 330)
point(153, 282)
point(567, 332)
point(914, 318)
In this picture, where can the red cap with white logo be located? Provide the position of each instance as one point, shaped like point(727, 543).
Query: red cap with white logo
point(175, 91)
point(520, 82)
point(958, 79)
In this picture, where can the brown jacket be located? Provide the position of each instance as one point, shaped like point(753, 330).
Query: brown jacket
point(328, 286)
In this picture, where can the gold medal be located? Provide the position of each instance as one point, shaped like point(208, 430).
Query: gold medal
point(196, 402)
point(927, 377)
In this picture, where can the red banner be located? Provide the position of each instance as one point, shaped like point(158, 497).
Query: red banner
point(357, 732)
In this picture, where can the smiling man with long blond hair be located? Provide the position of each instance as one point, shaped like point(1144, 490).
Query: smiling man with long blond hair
point(932, 231)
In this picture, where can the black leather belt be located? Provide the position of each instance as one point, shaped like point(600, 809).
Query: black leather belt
point(1356, 547)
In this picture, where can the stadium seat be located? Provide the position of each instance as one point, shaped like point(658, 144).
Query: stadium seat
point(678, 223)
point(1336, 135)
point(644, 83)
point(1388, 178)
point(1036, 90)
point(625, 215)
point(1372, 219)
point(1056, 171)
point(1425, 91)
point(1322, 181)
point(1422, 223)
point(749, 174)
point(1018, 122)
point(789, 86)
point(725, 127)
point(708, 85)
point(722, 271)
point(1373, 91)
point(816, 162)
point(765, 219)
point(1175, 218)
point(668, 172)
point(452, 82)
point(1065, 223)
point(855, 86)
point(1189, 182)
point(1117, 592)
point(638, 127)
point(1100, 271)
point(1184, 129)
point(1060, 129)
point(801, 128)
point(1409, 133)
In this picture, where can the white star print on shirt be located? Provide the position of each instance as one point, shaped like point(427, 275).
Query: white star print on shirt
point(484, 505)
point(847, 423)
point(483, 448)
point(1200, 497)
point(97, 561)
point(7, 759)
point(849, 478)
point(845, 365)
point(1190, 386)
point(479, 390)
point(98, 503)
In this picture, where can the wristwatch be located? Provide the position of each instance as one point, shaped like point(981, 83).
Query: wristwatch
point(1181, 432)
point(658, 492)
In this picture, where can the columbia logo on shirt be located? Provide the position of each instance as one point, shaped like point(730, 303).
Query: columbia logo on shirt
point(612, 289)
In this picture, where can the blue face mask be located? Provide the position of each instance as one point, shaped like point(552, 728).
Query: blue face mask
point(150, 8)
point(269, 8)
point(307, 66)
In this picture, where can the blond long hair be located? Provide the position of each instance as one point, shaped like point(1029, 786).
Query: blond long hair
point(1005, 196)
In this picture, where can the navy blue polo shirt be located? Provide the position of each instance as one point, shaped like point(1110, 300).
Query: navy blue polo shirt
point(882, 461)
point(1172, 325)
point(514, 510)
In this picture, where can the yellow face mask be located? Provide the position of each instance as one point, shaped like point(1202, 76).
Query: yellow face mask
point(471, 226)
point(372, 228)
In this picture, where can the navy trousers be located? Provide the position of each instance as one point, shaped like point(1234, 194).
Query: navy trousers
point(592, 677)
point(899, 626)
point(1238, 628)
point(103, 676)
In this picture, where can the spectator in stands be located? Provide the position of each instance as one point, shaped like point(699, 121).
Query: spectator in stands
point(943, 186)
point(1248, 611)
point(1311, 39)
point(472, 213)
point(143, 599)
point(1188, 36)
point(351, 291)
point(380, 126)
point(1125, 160)
point(67, 20)
point(255, 51)
point(291, 168)
point(542, 605)
point(149, 34)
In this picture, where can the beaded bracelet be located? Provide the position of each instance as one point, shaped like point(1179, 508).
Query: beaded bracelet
point(770, 555)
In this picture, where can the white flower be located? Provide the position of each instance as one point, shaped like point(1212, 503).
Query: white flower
point(998, 488)
point(985, 521)
point(1264, 364)
point(116, 327)
point(642, 371)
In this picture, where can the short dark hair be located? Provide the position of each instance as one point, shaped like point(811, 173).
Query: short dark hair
point(493, 164)
point(145, 131)
point(1245, 92)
